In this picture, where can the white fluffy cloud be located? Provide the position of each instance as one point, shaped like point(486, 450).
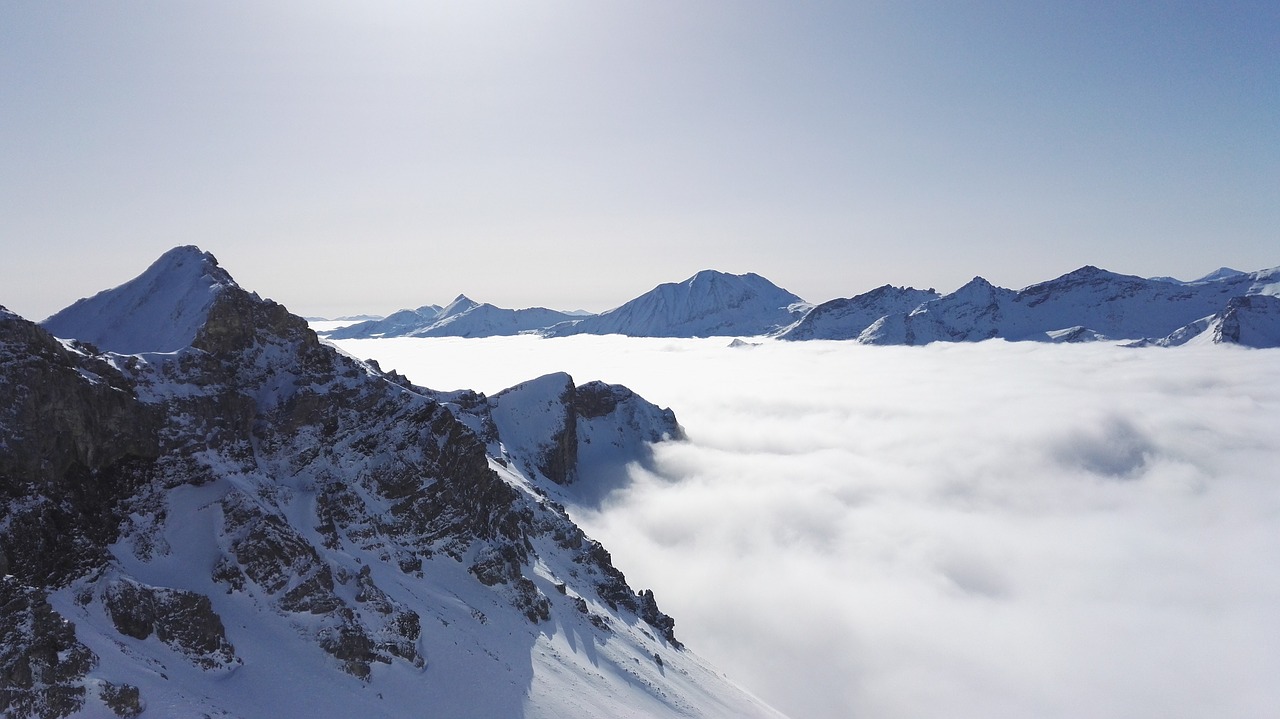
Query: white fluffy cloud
point(991, 530)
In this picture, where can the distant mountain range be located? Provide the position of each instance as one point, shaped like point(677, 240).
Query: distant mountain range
point(463, 317)
point(206, 511)
point(1088, 304)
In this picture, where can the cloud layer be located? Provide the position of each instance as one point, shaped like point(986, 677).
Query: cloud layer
point(990, 530)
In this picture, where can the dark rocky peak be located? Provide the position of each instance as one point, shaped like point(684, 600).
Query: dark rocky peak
point(158, 311)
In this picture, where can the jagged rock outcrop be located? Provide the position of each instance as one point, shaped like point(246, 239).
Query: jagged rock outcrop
point(183, 620)
point(42, 664)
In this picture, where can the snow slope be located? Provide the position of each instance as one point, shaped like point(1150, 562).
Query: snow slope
point(708, 304)
point(158, 311)
point(843, 319)
point(1251, 321)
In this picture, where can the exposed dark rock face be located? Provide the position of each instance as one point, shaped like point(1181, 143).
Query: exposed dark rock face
point(42, 665)
point(123, 699)
point(75, 442)
point(183, 620)
point(663, 623)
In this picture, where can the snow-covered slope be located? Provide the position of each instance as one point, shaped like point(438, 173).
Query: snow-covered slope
point(843, 319)
point(1251, 321)
point(1088, 303)
point(1222, 273)
point(256, 525)
point(158, 311)
point(463, 317)
point(706, 305)
point(579, 437)
point(395, 324)
point(974, 312)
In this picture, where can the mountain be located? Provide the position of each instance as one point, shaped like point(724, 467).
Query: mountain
point(395, 324)
point(1089, 303)
point(843, 319)
point(256, 525)
point(708, 304)
point(463, 317)
point(1250, 321)
point(1222, 273)
point(159, 311)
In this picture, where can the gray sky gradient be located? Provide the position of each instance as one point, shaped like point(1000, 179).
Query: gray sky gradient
point(344, 157)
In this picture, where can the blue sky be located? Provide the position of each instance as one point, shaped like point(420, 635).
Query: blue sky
point(360, 158)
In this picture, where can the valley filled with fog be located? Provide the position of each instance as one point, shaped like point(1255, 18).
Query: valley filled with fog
point(971, 530)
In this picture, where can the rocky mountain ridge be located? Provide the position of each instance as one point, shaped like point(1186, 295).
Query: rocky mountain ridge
point(463, 317)
point(1087, 304)
point(255, 524)
point(1084, 305)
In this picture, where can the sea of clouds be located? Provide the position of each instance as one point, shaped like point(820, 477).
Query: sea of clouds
point(975, 530)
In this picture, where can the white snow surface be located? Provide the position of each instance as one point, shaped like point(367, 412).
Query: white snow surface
point(158, 311)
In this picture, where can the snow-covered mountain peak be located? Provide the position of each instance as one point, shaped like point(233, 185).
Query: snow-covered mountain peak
point(840, 319)
point(708, 304)
point(1086, 274)
point(460, 304)
point(979, 287)
point(158, 311)
point(1222, 273)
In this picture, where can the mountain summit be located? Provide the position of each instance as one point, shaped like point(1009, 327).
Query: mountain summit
point(158, 311)
point(708, 304)
point(237, 520)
